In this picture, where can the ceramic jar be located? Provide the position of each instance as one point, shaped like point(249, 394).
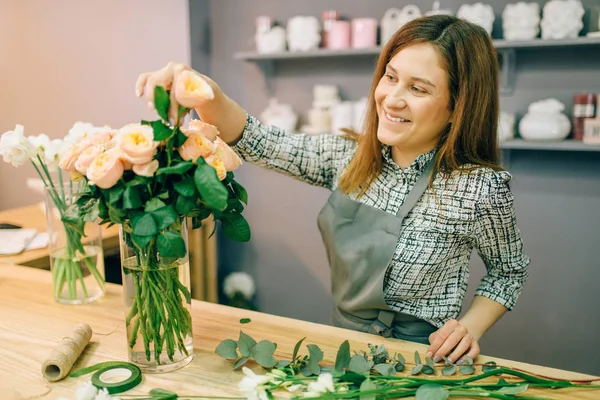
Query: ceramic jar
point(545, 120)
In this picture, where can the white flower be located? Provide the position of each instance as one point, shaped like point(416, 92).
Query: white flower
point(15, 148)
point(104, 395)
point(239, 282)
point(323, 384)
point(48, 150)
point(86, 391)
point(252, 385)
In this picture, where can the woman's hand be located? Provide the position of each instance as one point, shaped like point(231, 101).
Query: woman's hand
point(187, 87)
point(453, 341)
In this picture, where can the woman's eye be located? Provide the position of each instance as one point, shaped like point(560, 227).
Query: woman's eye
point(390, 78)
point(418, 90)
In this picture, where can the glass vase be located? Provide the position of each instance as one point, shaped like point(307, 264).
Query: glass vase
point(75, 249)
point(157, 297)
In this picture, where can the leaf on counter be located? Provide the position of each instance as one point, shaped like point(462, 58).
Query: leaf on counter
point(466, 369)
point(385, 369)
point(432, 391)
point(240, 362)
point(366, 386)
point(449, 370)
point(359, 365)
point(489, 366)
point(227, 349)
point(417, 369)
point(342, 360)
point(513, 390)
point(246, 343)
point(417, 358)
point(297, 348)
point(263, 353)
point(245, 320)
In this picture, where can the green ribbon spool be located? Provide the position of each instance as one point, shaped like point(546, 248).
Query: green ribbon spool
point(103, 378)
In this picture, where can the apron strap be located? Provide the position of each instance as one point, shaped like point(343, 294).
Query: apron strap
point(417, 191)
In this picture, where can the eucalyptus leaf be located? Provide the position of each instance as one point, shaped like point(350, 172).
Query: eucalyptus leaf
point(432, 391)
point(466, 369)
point(240, 362)
point(342, 359)
point(489, 366)
point(417, 358)
point(417, 369)
point(314, 367)
point(399, 366)
point(427, 370)
point(385, 369)
point(315, 352)
point(449, 370)
point(352, 377)
point(513, 390)
point(297, 348)
point(162, 394)
point(245, 344)
point(359, 365)
point(161, 102)
point(245, 320)
point(400, 358)
point(429, 362)
point(306, 371)
point(366, 386)
point(227, 349)
point(282, 363)
point(263, 353)
point(469, 360)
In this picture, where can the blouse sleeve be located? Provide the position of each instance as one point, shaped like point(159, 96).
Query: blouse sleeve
point(314, 159)
point(499, 244)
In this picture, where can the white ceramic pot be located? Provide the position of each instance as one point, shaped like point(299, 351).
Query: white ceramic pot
point(547, 126)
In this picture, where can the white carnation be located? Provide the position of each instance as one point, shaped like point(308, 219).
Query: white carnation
point(104, 395)
point(239, 282)
point(15, 148)
point(86, 391)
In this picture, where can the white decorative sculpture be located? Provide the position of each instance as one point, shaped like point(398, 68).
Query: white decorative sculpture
point(280, 115)
point(436, 10)
point(478, 13)
point(272, 41)
point(545, 121)
point(303, 33)
point(506, 126)
point(394, 18)
point(325, 96)
point(562, 19)
point(521, 21)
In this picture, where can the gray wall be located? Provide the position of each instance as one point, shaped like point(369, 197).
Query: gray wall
point(556, 322)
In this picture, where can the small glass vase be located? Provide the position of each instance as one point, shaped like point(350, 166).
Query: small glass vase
point(76, 253)
point(157, 298)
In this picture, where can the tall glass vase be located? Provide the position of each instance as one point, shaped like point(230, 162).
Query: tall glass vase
point(157, 301)
point(76, 254)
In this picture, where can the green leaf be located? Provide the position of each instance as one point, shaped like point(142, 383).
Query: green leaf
point(144, 225)
point(513, 390)
point(178, 169)
point(316, 355)
point(469, 360)
point(153, 205)
point(352, 377)
point(227, 349)
point(170, 244)
point(245, 320)
point(366, 386)
point(185, 205)
point(240, 191)
point(489, 366)
point(297, 348)
point(212, 190)
point(246, 343)
point(185, 187)
point(466, 369)
point(263, 353)
point(92, 213)
point(342, 359)
point(400, 358)
point(235, 227)
point(427, 370)
point(161, 131)
point(240, 362)
point(131, 198)
point(180, 138)
point(430, 362)
point(114, 194)
point(234, 205)
point(449, 370)
point(432, 391)
point(399, 366)
point(72, 219)
point(330, 369)
point(282, 363)
point(417, 358)
point(164, 217)
point(161, 102)
point(116, 215)
point(417, 369)
point(385, 369)
point(162, 394)
point(359, 365)
point(306, 371)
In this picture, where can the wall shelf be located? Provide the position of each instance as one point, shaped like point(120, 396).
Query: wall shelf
point(563, 145)
point(507, 51)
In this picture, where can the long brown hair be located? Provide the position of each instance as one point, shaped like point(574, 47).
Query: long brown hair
point(471, 64)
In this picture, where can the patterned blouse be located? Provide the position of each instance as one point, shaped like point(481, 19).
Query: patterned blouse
point(429, 272)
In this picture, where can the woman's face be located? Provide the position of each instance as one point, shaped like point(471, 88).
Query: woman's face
point(412, 100)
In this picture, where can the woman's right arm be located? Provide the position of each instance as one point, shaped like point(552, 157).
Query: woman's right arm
point(312, 159)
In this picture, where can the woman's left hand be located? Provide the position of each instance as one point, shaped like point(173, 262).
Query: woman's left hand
point(454, 341)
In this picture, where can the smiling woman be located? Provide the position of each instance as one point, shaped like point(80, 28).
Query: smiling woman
point(412, 197)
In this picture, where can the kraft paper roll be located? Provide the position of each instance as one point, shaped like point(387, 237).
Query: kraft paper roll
point(62, 358)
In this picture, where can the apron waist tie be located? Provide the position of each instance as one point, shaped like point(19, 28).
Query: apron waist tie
point(383, 324)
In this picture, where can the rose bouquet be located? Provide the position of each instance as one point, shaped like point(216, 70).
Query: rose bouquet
point(77, 267)
point(150, 178)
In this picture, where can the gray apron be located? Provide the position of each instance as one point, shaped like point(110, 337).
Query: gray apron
point(360, 241)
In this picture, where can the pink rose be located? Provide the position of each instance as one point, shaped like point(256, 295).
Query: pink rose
point(216, 162)
point(146, 169)
point(85, 158)
point(230, 159)
point(137, 143)
point(194, 147)
point(191, 90)
point(196, 127)
point(106, 169)
point(67, 162)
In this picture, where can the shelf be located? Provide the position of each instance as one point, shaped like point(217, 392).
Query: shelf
point(564, 145)
point(499, 44)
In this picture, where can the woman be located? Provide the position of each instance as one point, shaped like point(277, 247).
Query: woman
point(413, 196)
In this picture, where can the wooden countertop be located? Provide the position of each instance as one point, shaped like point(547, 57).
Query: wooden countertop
point(34, 216)
point(31, 324)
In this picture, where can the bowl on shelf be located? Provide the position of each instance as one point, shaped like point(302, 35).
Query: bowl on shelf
point(545, 121)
